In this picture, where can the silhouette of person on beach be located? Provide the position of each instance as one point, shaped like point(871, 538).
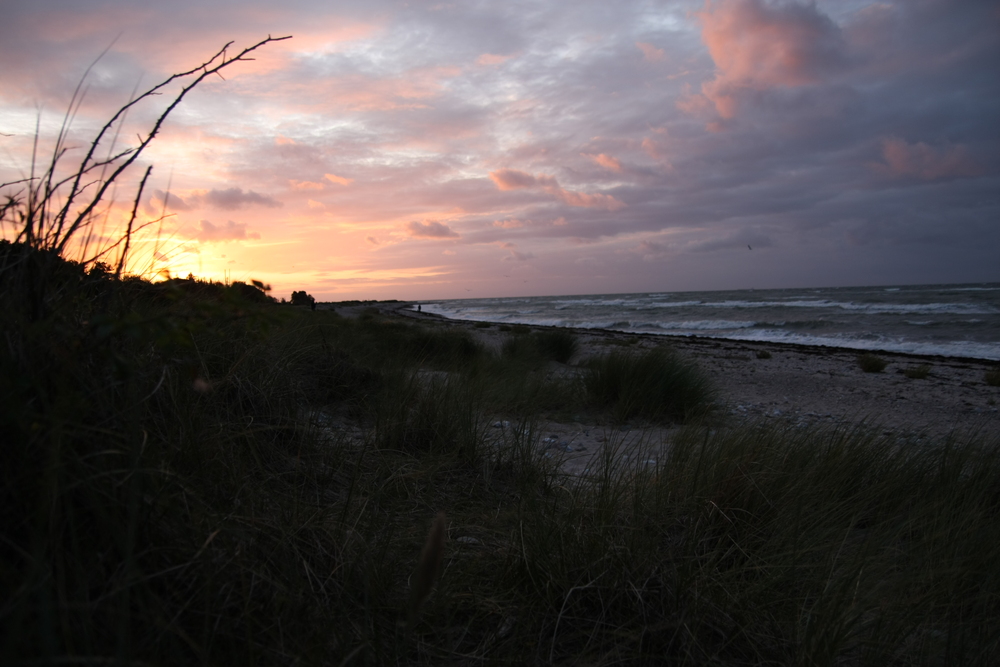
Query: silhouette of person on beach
point(418, 307)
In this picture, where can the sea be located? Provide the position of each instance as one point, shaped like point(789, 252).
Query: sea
point(945, 320)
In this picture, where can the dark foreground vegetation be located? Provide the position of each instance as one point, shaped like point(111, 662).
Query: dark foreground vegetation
point(193, 474)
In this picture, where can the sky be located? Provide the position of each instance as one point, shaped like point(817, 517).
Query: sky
point(429, 150)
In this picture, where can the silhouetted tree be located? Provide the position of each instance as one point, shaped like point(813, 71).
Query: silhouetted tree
point(303, 299)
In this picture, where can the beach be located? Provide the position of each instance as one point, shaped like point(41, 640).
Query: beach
point(796, 385)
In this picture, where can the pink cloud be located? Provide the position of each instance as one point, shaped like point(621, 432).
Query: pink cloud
point(757, 46)
point(305, 185)
point(491, 59)
point(584, 200)
point(339, 180)
point(430, 230)
point(510, 223)
point(650, 53)
point(512, 179)
point(924, 162)
point(605, 161)
point(652, 148)
point(231, 231)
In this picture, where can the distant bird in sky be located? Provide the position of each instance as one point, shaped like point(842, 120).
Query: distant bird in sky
point(748, 245)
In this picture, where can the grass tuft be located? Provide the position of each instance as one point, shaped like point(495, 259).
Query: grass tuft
point(653, 384)
point(992, 377)
point(557, 344)
point(871, 363)
point(919, 372)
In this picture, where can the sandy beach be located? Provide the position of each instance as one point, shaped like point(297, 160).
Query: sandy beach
point(795, 385)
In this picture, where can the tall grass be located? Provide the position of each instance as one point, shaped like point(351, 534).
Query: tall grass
point(652, 384)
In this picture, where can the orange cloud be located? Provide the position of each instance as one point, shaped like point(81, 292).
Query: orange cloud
point(757, 46)
point(339, 180)
point(605, 161)
point(305, 185)
point(921, 161)
point(650, 53)
point(512, 179)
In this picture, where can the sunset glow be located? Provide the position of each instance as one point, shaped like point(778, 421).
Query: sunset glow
point(419, 150)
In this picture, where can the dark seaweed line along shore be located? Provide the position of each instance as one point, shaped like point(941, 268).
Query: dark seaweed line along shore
point(192, 473)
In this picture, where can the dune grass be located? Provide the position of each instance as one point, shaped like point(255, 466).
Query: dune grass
point(651, 384)
point(221, 482)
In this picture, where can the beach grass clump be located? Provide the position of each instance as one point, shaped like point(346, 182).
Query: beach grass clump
point(652, 384)
point(871, 363)
point(763, 354)
point(536, 348)
point(919, 372)
point(482, 325)
point(992, 377)
point(557, 344)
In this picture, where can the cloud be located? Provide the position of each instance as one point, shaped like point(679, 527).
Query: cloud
point(491, 59)
point(605, 161)
point(509, 223)
point(234, 199)
point(172, 201)
point(372, 240)
point(516, 256)
point(921, 161)
point(231, 231)
point(650, 53)
point(339, 180)
point(758, 46)
point(651, 250)
point(512, 179)
point(739, 239)
point(584, 200)
point(305, 185)
point(430, 230)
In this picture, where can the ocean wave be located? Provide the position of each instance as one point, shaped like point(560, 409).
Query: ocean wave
point(971, 349)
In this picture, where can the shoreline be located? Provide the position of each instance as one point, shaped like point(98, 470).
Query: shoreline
point(807, 384)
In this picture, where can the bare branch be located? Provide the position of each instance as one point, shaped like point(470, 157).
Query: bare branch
point(131, 220)
point(206, 69)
